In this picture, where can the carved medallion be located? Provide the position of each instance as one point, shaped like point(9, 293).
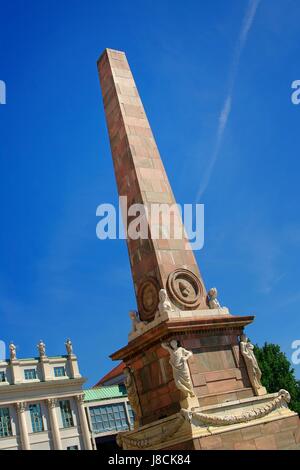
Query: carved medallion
point(185, 289)
point(148, 299)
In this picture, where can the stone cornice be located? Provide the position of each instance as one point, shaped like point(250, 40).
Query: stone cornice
point(42, 387)
point(180, 326)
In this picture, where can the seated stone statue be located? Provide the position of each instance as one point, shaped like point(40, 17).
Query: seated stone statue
point(212, 298)
point(164, 305)
point(136, 324)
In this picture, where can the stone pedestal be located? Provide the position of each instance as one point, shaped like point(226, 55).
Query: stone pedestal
point(73, 366)
point(217, 369)
point(45, 368)
point(225, 414)
point(16, 371)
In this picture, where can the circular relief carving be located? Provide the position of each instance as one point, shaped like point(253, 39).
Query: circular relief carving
point(148, 299)
point(185, 288)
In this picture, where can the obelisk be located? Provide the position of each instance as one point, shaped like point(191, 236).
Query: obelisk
point(191, 375)
point(141, 177)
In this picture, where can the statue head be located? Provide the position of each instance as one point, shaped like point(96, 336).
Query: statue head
point(244, 338)
point(213, 293)
point(174, 344)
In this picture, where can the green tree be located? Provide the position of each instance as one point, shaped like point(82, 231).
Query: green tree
point(277, 372)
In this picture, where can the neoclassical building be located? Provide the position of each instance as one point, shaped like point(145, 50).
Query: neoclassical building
point(108, 410)
point(42, 403)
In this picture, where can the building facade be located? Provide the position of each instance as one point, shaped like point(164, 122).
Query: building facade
point(42, 403)
point(108, 412)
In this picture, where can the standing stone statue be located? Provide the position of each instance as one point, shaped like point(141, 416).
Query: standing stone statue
point(69, 347)
point(253, 369)
point(181, 373)
point(12, 351)
point(41, 348)
point(132, 395)
point(212, 298)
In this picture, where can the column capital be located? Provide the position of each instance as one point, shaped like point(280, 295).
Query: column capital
point(80, 399)
point(21, 406)
point(52, 402)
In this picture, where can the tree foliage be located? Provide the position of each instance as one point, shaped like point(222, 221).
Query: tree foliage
point(277, 372)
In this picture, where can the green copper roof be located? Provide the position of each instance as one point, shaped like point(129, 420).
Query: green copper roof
point(105, 393)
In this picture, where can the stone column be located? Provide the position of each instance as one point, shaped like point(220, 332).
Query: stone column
point(54, 423)
point(83, 423)
point(21, 407)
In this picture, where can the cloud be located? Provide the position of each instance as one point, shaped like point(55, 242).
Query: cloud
point(227, 105)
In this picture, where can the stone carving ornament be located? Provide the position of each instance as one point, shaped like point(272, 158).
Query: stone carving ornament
point(181, 373)
point(254, 372)
point(185, 289)
point(246, 415)
point(132, 395)
point(148, 299)
point(148, 439)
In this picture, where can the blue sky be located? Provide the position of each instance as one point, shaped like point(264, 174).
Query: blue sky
point(56, 278)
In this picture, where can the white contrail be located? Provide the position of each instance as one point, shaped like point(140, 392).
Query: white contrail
point(226, 108)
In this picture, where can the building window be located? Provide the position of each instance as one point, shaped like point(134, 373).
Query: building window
point(30, 374)
point(131, 413)
point(36, 417)
point(2, 376)
point(5, 425)
point(108, 418)
point(66, 414)
point(72, 448)
point(59, 372)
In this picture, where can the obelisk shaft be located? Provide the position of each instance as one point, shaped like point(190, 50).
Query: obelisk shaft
point(141, 177)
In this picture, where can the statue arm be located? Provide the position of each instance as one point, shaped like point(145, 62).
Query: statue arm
point(187, 354)
point(166, 347)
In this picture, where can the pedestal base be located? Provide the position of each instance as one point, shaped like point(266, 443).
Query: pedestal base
point(216, 367)
point(256, 423)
